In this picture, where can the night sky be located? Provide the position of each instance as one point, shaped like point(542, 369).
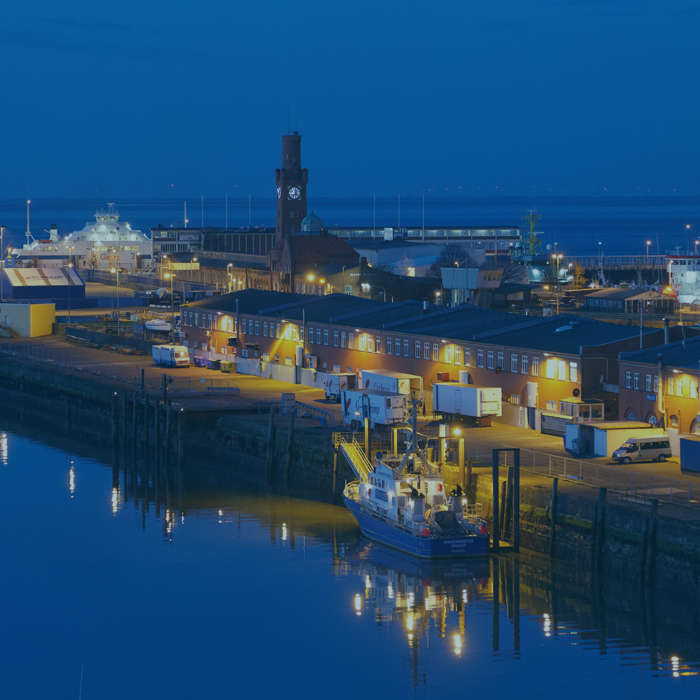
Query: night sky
point(157, 98)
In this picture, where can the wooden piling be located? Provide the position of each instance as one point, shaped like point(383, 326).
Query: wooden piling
point(503, 495)
point(508, 514)
point(290, 448)
point(553, 515)
point(496, 534)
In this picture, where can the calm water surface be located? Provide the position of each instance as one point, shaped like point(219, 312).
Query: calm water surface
point(218, 593)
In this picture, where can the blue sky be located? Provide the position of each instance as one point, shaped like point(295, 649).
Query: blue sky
point(155, 98)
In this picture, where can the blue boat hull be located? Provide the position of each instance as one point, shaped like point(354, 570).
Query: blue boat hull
point(380, 530)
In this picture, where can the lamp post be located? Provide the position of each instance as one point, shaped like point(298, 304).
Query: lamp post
point(695, 249)
point(557, 258)
point(171, 276)
point(115, 270)
point(648, 243)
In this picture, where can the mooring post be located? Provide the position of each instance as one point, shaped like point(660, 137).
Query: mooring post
point(290, 446)
point(506, 519)
point(553, 515)
point(651, 542)
point(516, 502)
point(503, 503)
point(460, 459)
point(494, 490)
point(335, 472)
point(496, 613)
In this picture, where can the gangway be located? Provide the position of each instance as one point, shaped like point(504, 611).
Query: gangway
point(355, 455)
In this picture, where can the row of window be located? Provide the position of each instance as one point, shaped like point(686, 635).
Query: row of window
point(449, 353)
point(684, 386)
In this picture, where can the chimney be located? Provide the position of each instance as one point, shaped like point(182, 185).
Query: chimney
point(666, 331)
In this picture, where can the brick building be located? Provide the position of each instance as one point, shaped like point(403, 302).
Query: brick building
point(659, 385)
point(537, 362)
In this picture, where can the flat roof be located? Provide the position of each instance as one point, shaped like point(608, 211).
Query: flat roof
point(678, 354)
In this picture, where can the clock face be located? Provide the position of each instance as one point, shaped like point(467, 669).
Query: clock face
point(294, 192)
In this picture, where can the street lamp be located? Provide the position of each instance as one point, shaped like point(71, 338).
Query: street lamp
point(170, 276)
point(648, 243)
point(557, 257)
point(115, 270)
point(697, 242)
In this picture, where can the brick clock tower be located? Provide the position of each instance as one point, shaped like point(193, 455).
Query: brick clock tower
point(291, 180)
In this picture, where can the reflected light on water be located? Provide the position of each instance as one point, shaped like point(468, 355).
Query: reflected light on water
point(116, 497)
point(457, 644)
point(357, 604)
point(547, 625)
point(284, 532)
point(3, 448)
point(71, 479)
point(390, 592)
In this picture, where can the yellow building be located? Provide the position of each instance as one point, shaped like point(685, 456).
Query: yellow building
point(27, 319)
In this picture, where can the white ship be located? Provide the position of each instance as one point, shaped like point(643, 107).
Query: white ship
point(106, 243)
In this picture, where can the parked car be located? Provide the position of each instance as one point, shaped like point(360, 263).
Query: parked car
point(652, 449)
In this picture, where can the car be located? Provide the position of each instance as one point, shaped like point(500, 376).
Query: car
point(651, 449)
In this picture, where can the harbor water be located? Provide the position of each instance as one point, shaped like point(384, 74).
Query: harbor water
point(577, 225)
point(123, 582)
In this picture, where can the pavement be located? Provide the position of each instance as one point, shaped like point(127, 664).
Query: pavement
point(200, 389)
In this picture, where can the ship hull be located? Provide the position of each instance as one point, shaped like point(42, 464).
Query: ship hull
point(380, 530)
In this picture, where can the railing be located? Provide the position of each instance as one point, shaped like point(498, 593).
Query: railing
point(323, 416)
point(631, 261)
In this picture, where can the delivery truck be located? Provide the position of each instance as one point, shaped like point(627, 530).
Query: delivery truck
point(171, 355)
point(392, 382)
point(475, 404)
point(381, 408)
point(333, 383)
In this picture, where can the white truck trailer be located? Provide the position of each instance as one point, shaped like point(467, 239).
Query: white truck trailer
point(333, 383)
point(380, 407)
point(392, 382)
point(171, 355)
point(478, 404)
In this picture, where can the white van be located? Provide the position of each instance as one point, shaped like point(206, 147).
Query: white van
point(651, 449)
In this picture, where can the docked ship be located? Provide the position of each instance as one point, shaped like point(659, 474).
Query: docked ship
point(104, 243)
point(406, 507)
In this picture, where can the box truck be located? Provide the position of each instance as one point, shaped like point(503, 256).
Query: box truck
point(477, 404)
point(333, 383)
point(170, 355)
point(380, 407)
point(392, 382)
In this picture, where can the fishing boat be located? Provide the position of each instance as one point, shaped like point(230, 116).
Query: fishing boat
point(405, 506)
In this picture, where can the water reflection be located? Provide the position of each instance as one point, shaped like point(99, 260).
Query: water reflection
point(3, 449)
point(436, 617)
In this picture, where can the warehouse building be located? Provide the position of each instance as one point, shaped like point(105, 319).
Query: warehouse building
point(540, 364)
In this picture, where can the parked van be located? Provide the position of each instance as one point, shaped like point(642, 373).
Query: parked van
point(651, 449)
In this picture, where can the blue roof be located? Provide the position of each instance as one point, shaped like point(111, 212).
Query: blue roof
point(679, 354)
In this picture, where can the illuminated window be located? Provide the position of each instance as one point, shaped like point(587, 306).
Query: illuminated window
point(500, 361)
point(405, 348)
point(573, 372)
point(318, 336)
point(397, 347)
point(514, 363)
point(669, 386)
point(679, 386)
point(561, 367)
point(656, 383)
point(377, 344)
point(647, 382)
point(635, 381)
point(535, 367)
point(351, 341)
point(436, 352)
point(227, 324)
point(388, 346)
point(426, 351)
point(343, 339)
point(458, 354)
point(467, 356)
point(550, 368)
point(449, 353)
point(362, 342)
point(479, 358)
point(489, 360)
point(417, 349)
point(693, 389)
point(524, 364)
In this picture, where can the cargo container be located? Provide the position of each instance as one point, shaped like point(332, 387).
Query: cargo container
point(380, 407)
point(690, 453)
point(333, 383)
point(475, 403)
point(170, 355)
point(393, 382)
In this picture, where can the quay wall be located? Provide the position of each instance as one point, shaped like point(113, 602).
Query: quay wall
point(591, 529)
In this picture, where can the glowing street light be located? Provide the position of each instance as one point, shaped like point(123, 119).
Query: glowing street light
point(696, 243)
point(648, 243)
point(115, 271)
